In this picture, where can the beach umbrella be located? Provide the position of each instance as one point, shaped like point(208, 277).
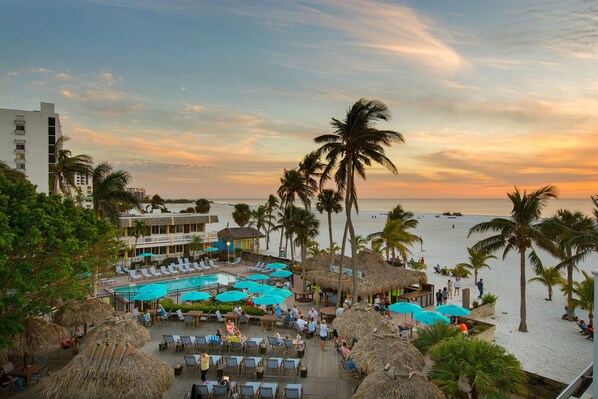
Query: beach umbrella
point(245, 284)
point(231, 296)
point(427, 317)
point(268, 300)
point(281, 274)
point(258, 277)
point(145, 255)
point(276, 266)
point(110, 370)
point(38, 335)
point(118, 330)
point(260, 288)
point(452, 310)
point(360, 320)
point(153, 287)
point(80, 313)
point(405, 308)
point(211, 249)
point(278, 291)
point(382, 385)
point(150, 295)
point(376, 352)
point(195, 296)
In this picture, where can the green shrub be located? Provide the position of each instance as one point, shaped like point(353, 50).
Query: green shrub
point(168, 261)
point(489, 298)
point(475, 304)
point(209, 307)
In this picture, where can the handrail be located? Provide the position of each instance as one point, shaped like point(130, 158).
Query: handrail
point(579, 384)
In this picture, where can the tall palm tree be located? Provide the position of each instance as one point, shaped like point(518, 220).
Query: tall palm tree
point(478, 259)
point(355, 144)
point(139, 229)
point(549, 277)
point(305, 228)
point(241, 214)
point(518, 233)
point(260, 221)
point(311, 168)
point(62, 173)
point(396, 236)
point(584, 290)
point(202, 205)
point(196, 244)
point(157, 202)
point(487, 369)
point(562, 229)
point(110, 189)
point(330, 201)
point(271, 206)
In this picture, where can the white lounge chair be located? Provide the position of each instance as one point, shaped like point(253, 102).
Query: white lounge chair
point(119, 271)
point(172, 269)
point(219, 316)
point(189, 268)
point(203, 265)
point(257, 267)
point(211, 263)
point(164, 271)
point(187, 261)
point(197, 267)
point(181, 269)
point(236, 262)
point(153, 272)
point(133, 275)
point(145, 274)
point(180, 314)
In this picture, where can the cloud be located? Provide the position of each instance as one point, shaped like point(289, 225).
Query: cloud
point(40, 70)
point(11, 74)
point(187, 108)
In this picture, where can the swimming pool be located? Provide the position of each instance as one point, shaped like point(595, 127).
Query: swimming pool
point(198, 282)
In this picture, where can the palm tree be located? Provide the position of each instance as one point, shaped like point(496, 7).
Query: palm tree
point(260, 220)
point(354, 145)
point(584, 290)
point(395, 237)
point(202, 205)
point(157, 203)
point(305, 227)
point(478, 259)
point(330, 201)
point(62, 173)
point(195, 244)
point(549, 276)
point(518, 233)
point(433, 334)
point(271, 205)
point(562, 229)
point(241, 214)
point(488, 370)
point(110, 189)
point(360, 243)
point(139, 229)
point(311, 168)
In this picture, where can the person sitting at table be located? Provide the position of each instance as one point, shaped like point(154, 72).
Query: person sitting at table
point(278, 311)
point(278, 338)
point(345, 351)
point(7, 380)
point(225, 380)
point(301, 324)
point(249, 302)
point(288, 318)
point(230, 327)
point(295, 312)
point(147, 318)
point(239, 310)
point(162, 312)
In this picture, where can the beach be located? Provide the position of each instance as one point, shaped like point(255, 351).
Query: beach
point(551, 348)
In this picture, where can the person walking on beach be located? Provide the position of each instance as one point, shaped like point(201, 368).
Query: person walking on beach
point(449, 285)
point(481, 288)
point(439, 298)
point(444, 295)
point(457, 286)
point(204, 364)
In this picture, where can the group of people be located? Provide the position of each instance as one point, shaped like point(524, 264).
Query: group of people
point(442, 296)
point(586, 329)
point(7, 380)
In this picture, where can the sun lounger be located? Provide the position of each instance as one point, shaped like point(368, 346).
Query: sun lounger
point(293, 391)
point(133, 275)
point(119, 271)
point(203, 265)
point(188, 268)
point(172, 269)
point(211, 263)
point(145, 274)
point(186, 261)
point(154, 272)
point(164, 271)
point(236, 262)
point(257, 267)
point(181, 269)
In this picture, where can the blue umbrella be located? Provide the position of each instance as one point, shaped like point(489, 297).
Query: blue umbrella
point(260, 288)
point(276, 266)
point(405, 307)
point(257, 277)
point(231, 296)
point(153, 287)
point(279, 292)
point(195, 296)
point(145, 254)
point(427, 317)
point(245, 284)
point(452, 310)
point(268, 300)
point(211, 249)
point(150, 295)
point(281, 274)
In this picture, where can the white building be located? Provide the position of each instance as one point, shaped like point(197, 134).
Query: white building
point(84, 193)
point(27, 142)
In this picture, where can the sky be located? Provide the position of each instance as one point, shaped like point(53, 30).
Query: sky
point(215, 99)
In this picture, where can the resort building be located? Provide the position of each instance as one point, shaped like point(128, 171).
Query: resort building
point(138, 192)
point(239, 237)
point(83, 195)
point(169, 235)
point(28, 140)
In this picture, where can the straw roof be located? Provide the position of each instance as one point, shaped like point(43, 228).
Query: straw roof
point(77, 313)
point(39, 335)
point(379, 276)
point(118, 330)
point(360, 320)
point(110, 370)
point(381, 385)
point(376, 352)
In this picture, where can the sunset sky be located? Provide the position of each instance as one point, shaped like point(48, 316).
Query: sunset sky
point(215, 98)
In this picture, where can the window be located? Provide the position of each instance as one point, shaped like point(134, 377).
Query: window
point(20, 156)
point(20, 147)
point(178, 228)
point(52, 140)
point(51, 121)
point(51, 158)
point(20, 128)
point(21, 166)
point(158, 229)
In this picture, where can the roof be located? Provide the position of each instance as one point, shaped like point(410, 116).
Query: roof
point(169, 219)
point(240, 233)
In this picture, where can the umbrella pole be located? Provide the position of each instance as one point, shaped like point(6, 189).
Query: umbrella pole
point(85, 328)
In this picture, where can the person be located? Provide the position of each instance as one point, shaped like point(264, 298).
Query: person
point(147, 318)
point(463, 328)
point(481, 288)
point(323, 335)
point(278, 311)
point(239, 335)
point(583, 326)
point(238, 310)
point(312, 314)
point(444, 295)
point(301, 324)
point(325, 301)
point(204, 365)
point(230, 327)
point(457, 286)
point(295, 312)
point(339, 311)
point(449, 285)
point(225, 380)
point(249, 302)
point(345, 351)
point(288, 318)
point(349, 301)
point(287, 285)
point(439, 298)
point(162, 312)
point(6, 380)
point(377, 303)
point(311, 327)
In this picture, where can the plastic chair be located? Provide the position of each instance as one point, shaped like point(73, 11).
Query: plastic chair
point(190, 362)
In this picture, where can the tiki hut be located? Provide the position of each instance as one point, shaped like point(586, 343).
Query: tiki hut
point(382, 385)
point(376, 352)
point(80, 313)
point(118, 330)
point(110, 370)
point(361, 320)
point(39, 335)
point(375, 274)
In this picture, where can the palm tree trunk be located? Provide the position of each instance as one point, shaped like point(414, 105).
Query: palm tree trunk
point(330, 237)
point(523, 305)
point(303, 256)
point(570, 305)
point(550, 292)
point(475, 276)
point(340, 266)
point(352, 232)
point(281, 238)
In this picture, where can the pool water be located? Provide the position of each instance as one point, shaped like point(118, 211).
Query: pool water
point(198, 282)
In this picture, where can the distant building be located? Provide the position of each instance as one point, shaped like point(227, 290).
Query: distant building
point(240, 237)
point(139, 193)
point(84, 193)
point(27, 142)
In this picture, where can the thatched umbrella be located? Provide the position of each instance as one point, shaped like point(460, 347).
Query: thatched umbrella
point(79, 313)
point(378, 276)
point(382, 385)
point(376, 352)
point(360, 320)
point(39, 335)
point(110, 370)
point(118, 330)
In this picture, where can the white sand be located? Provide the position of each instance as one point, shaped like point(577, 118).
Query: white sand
point(551, 348)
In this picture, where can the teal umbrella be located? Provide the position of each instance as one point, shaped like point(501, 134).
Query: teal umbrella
point(258, 277)
point(278, 291)
point(260, 288)
point(405, 307)
point(276, 266)
point(153, 287)
point(268, 300)
point(245, 284)
point(211, 249)
point(427, 317)
point(145, 254)
point(195, 296)
point(231, 296)
point(150, 295)
point(452, 310)
point(281, 274)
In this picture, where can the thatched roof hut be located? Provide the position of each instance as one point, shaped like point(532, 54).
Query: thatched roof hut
point(79, 313)
point(381, 385)
point(378, 276)
point(118, 330)
point(360, 320)
point(39, 335)
point(107, 371)
point(376, 352)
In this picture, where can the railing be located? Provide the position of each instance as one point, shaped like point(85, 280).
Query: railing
point(579, 384)
point(163, 238)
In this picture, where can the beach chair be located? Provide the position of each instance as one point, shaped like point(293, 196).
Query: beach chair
point(136, 312)
point(145, 273)
point(190, 362)
point(257, 267)
point(201, 342)
point(222, 391)
point(235, 345)
point(203, 266)
point(252, 345)
point(197, 267)
point(291, 365)
point(219, 316)
point(201, 390)
point(164, 271)
point(268, 390)
point(168, 340)
point(186, 261)
point(289, 347)
point(171, 269)
point(154, 272)
point(243, 319)
point(182, 269)
point(189, 320)
point(119, 271)
point(249, 366)
point(212, 264)
point(404, 335)
point(180, 314)
point(247, 391)
point(293, 391)
point(275, 344)
point(126, 269)
point(133, 275)
point(180, 261)
point(232, 364)
point(186, 342)
point(188, 268)
point(273, 365)
point(236, 262)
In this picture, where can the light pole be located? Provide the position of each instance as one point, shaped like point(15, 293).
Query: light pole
point(228, 252)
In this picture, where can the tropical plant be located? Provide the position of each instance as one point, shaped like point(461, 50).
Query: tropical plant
point(395, 237)
point(489, 298)
point(202, 205)
point(311, 168)
point(62, 173)
point(196, 244)
point(549, 277)
point(518, 233)
point(110, 189)
point(304, 227)
point(418, 266)
point(483, 367)
point(360, 243)
point(461, 271)
point(378, 247)
point(433, 334)
point(271, 206)
point(355, 144)
point(331, 201)
point(156, 202)
point(241, 214)
point(584, 294)
point(260, 220)
point(478, 259)
point(139, 229)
